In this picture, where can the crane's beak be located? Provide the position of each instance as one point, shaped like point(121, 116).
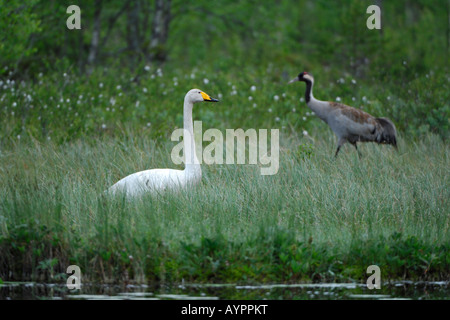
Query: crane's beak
point(293, 80)
point(208, 98)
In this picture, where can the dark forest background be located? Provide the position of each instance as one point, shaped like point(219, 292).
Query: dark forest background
point(133, 60)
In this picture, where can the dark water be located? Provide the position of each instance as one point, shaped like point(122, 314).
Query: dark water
point(326, 291)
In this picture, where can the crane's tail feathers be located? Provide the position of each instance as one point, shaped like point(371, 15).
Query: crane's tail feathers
point(388, 133)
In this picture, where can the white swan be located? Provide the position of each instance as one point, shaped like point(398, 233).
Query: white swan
point(161, 179)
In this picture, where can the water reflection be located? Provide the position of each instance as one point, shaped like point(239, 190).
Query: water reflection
point(323, 291)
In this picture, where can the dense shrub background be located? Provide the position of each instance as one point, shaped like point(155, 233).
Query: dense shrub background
point(242, 51)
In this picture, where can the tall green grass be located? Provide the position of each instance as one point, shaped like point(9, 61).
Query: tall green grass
point(317, 219)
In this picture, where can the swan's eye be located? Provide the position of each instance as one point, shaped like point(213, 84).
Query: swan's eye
point(199, 92)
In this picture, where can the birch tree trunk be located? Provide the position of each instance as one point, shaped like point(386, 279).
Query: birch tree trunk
point(133, 31)
point(94, 49)
point(160, 30)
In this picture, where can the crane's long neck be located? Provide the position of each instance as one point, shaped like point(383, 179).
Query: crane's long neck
point(308, 92)
point(321, 108)
point(191, 161)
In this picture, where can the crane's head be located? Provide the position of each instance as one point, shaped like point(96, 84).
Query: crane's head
point(303, 76)
point(197, 95)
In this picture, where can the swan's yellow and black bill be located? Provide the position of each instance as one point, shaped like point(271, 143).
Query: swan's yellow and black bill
point(208, 98)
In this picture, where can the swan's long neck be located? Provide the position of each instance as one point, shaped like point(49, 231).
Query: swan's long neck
point(191, 161)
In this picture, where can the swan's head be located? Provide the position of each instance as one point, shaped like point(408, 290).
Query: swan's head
point(197, 95)
point(303, 76)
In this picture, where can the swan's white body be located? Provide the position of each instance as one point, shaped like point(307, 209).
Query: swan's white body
point(157, 180)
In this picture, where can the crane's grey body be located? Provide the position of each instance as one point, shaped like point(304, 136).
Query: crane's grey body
point(348, 124)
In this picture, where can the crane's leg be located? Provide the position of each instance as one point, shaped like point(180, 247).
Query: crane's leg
point(356, 147)
point(340, 143)
point(337, 151)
